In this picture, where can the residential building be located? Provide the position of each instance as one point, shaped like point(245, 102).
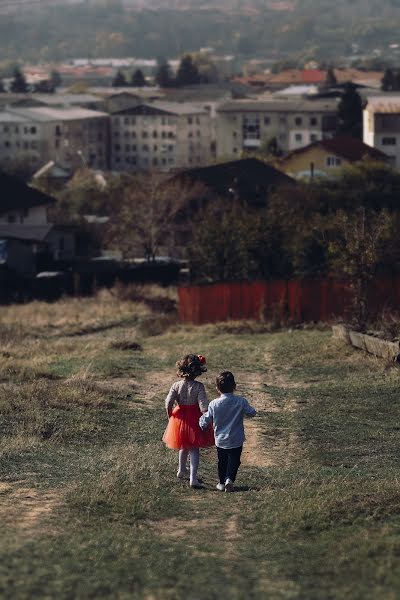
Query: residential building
point(245, 125)
point(326, 158)
point(27, 240)
point(72, 136)
point(381, 125)
point(160, 136)
point(248, 180)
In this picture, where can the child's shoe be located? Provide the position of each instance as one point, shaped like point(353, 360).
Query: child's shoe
point(183, 474)
point(229, 485)
point(220, 487)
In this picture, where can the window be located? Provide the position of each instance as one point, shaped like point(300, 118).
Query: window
point(333, 161)
point(7, 144)
point(117, 147)
point(11, 218)
point(145, 134)
point(282, 120)
point(298, 121)
point(388, 141)
point(155, 147)
point(298, 137)
point(313, 121)
point(155, 134)
point(190, 120)
point(313, 137)
point(127, 147)
point(145, 148)
point(133, 134)
point(267, 120)
point(155, 161)
point(190, 134)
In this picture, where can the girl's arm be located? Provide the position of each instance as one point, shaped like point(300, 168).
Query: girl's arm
point(202, 399)
point(170, 400)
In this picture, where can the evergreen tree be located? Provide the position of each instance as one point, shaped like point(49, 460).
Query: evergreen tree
point(55, 79)
point(188, 73)
point(2, 88)
point(138, 79)
point(350, 112)
point(330, 79)
point(119, 80)
point(163, 76)
point(388, 81)
point(18, 84)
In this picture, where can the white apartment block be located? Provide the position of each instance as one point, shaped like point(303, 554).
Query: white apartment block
point(70, 136)
point(245, 125)
point(160, 135)
point(381, 126)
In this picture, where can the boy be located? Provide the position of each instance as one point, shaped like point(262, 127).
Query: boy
point(226, 413)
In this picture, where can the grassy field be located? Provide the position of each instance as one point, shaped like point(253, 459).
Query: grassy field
point(90, 505)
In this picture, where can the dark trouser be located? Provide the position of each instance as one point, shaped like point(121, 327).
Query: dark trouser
point(228, 462)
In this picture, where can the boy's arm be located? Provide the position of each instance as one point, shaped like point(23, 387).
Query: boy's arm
point(206, 418)
point(248, 410)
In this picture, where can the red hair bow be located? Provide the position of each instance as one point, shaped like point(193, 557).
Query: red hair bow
point(202, 359)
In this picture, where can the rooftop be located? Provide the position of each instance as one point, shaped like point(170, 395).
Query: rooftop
point(15, 194)
point(48, 114)
point(346, 147)
point(280, 106)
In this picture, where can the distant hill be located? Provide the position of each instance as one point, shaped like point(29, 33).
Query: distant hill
point(322, 29)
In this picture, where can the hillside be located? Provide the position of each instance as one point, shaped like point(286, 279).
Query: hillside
point(54, 30)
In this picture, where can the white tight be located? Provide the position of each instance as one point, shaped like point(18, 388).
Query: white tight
point(194, 454)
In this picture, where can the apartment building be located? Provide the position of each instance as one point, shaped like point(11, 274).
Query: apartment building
point(70, 136)
point(245, 125)
point(381, 126)
point(161, 136)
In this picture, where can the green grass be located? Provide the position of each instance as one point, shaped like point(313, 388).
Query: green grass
point(84, 428)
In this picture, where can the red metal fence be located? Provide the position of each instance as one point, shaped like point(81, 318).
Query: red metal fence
point(293, 301)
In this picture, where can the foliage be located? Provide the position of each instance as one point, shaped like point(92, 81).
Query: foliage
point(143, 218)
point(163, 76)
point(321, 31)
point(119, 80)
point(138, 79)
point(350, 112)
point(18, 83)
point(357, 247)
point(188, 73)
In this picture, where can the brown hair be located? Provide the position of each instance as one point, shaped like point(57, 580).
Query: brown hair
point(225, 382)
point(190, 366)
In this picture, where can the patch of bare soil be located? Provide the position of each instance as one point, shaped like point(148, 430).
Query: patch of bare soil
point(25, 509)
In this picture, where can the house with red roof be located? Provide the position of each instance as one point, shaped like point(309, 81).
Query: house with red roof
point(325, 158)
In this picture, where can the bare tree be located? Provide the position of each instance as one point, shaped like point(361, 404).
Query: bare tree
point(152, 209)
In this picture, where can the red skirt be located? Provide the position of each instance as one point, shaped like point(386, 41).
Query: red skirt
point(183, 430)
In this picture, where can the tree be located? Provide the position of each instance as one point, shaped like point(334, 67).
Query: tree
point(2, 88)
point(44, 87)
point(330, 79)
point(55, 79)
point(138, 79)
point(19, 84)
point(350, 112)
point(357, 246)
point(188, 73)
point(119, 80)
point(144, 218)
point(388, 81)
point(163, 76)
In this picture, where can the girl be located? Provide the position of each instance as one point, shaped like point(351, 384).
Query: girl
point(183, 432)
